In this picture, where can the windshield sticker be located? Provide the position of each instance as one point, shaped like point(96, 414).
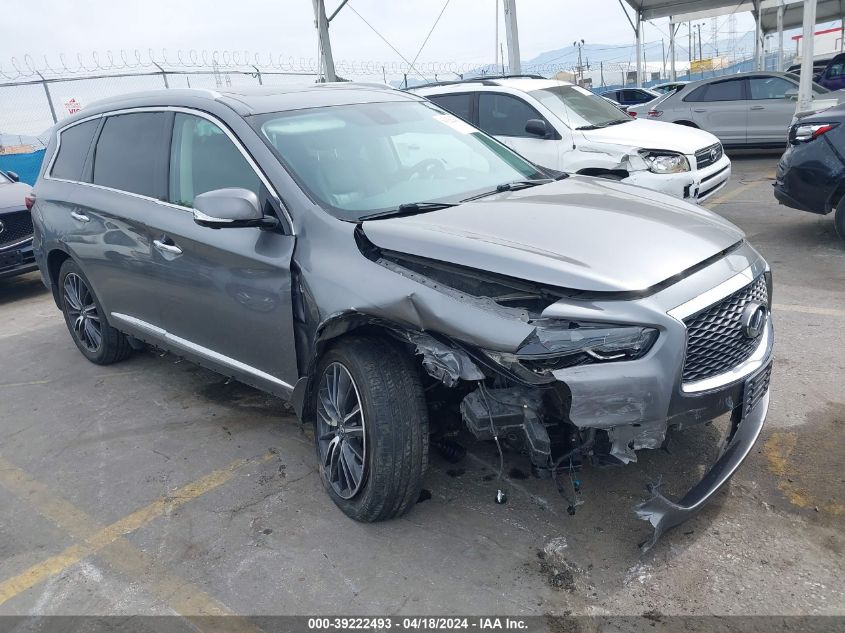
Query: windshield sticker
point(455, 123)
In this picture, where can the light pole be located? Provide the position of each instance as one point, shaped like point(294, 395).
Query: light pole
point(579, 70)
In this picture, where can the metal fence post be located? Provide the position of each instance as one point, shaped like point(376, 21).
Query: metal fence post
point(163, 75)
point(258, 75)
point(49, 97)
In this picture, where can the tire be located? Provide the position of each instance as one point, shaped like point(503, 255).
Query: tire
point(839, 219)
point(84, 315)
point(393, 430)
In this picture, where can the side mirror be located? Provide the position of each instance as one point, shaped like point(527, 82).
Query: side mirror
point(791, 94)
point(13, 176)
point(229, 209)
point(537, 127)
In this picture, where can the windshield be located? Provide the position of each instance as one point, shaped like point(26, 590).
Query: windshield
point(358, 160)
point(577, 107)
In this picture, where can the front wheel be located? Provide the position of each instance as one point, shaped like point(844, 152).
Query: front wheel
point(370, 427)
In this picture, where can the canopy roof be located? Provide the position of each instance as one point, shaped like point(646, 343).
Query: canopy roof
point(793, 14)
point(653, 9)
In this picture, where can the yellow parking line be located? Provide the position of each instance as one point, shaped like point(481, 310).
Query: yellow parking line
point(109, 542)
point(791, 307)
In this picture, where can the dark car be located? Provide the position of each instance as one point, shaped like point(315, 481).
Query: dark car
point(811, 173)
point(630, 96)
point(397, 273)
point(16, 255)
point(832, 76)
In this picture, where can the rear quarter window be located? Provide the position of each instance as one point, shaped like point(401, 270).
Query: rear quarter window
point(74, 143)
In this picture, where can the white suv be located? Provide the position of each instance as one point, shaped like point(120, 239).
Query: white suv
point(564, 127)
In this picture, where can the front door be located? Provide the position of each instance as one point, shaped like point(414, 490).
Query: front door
point(770, 112)
point(504, 116)
point(223, 294)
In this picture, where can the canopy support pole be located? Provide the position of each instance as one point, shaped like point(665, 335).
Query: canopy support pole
point(805, 83)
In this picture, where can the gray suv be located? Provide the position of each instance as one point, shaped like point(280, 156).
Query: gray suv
point(398, 274)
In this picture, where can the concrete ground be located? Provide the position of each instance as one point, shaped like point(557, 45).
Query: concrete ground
point(151, 487)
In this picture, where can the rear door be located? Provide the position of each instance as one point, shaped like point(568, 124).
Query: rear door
point(769, 111)
point(504, 116)
point(721, 108)
point(224, 294)
point(109, 237)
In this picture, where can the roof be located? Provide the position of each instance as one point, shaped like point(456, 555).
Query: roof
point(256, 100)
point(523, 84)
point(653, 9)
point(793, 14)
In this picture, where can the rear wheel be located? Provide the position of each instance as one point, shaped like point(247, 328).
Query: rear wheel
point(839, 219)
point(371, 428)
point(96, 339)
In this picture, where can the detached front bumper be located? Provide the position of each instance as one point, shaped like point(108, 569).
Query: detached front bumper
point(746, 424)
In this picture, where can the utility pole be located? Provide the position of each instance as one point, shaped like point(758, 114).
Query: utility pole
point(512, 33)
point(690, 50)
point(496, 43)
point(663, 46)
point(700, 55)
point(673, 29)
point(579, 70)
point(322, 23)
point(805, 82)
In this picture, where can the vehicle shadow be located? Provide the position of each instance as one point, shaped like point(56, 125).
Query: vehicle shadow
point(22, 287)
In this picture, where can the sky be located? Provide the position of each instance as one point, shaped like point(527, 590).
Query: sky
point(465, 33)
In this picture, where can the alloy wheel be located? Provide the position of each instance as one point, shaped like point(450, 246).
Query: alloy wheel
point(82, 312)
point(341, 436)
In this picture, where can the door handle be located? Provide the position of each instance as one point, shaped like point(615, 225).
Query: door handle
point(170, 249)
point(758, 107)
point(699, 110)
point(80, 217)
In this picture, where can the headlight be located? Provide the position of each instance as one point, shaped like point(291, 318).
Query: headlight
point(665, 162)
point(555, 343)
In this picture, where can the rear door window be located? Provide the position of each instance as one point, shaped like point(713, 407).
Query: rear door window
point(131, 153)
point(460, 105)
point(203, 158)
point(730, 90)
point(836, 70)
point(504, 115)
point(74, 143)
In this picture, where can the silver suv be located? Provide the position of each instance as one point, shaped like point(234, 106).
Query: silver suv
point(394, 272)
point(743, 110)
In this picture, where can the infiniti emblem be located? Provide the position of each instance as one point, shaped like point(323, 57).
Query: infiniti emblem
point(753, 319)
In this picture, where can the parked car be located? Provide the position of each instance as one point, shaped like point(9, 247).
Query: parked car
point(16, 256)
point(832, 76)
point(811, 174)
point(567, 128)
point(373, 258)
point(669, 86)
point(630, 96)
point(819, 64)
point(743, 110)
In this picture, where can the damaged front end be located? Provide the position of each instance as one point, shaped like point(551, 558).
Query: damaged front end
point(569, 377)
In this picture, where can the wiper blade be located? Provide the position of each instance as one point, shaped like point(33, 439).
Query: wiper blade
point(589, 127)
point(512, 186)
point(410, 208)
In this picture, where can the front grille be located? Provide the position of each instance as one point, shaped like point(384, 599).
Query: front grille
point(709, 155)
point(715, 341)
point(15, 227)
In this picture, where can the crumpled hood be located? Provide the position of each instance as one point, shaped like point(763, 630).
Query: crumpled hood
point(580, 233)
point(644, 134)
point(12, 195)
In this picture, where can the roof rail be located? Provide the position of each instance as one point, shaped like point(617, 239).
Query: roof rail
point(480, 78)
